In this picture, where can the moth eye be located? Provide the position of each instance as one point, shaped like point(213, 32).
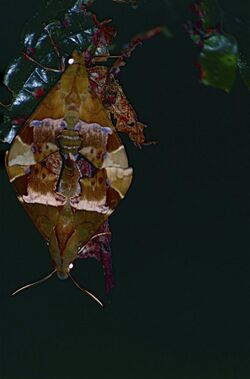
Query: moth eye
point(71, 61)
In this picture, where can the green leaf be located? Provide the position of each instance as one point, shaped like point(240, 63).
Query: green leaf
point(218, 61)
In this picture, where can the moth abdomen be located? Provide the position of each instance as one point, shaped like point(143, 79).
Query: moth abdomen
point(69, 141)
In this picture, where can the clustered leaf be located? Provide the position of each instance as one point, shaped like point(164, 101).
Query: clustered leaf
point(219, 52)
point(218, 61)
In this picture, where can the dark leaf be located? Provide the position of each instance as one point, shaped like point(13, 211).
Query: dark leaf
point(218, 61)
point(219, 54)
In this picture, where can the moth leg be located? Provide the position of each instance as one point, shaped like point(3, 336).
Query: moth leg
point(50, 69)
point(99, 248)
point(60, 58)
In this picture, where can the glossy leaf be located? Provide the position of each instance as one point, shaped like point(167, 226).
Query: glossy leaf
point(219, 51)
point(218, 61)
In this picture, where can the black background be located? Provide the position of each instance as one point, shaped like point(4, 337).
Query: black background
point(180, 308)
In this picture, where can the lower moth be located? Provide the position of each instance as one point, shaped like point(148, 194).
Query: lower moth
point(70, 170)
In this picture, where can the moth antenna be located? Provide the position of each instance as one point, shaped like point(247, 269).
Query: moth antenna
point(86, 291)
point(93, 237)
point(100, 234)
point(50, 69)
point(34, 283)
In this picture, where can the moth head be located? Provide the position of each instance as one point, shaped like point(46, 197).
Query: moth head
point(63, 273)
point(78, 57)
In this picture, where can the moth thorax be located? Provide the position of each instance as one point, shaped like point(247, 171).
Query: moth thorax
point(71, 117)
point(69, 141)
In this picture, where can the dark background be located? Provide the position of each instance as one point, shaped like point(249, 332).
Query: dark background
point(181, 242)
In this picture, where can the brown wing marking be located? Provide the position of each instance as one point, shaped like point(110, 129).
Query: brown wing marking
point(16, 171)
point(104, 150)
point(93, 193)
point(119, 179)
point(94, 144)
point(45, 133)
point(42, 182)
point(20, 153)
point(102, 192)
point(116, 158)
point(43, 143)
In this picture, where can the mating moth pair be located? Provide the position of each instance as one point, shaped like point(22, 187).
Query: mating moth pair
point(67, 163)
